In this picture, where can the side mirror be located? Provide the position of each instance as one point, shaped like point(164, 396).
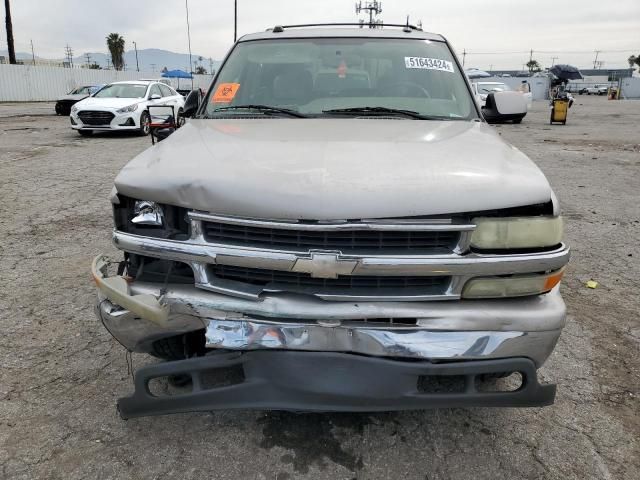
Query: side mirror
point(191, 104)
point(505, 106)
point(155, 96)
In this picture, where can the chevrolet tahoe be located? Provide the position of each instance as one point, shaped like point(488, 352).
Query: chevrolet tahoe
point(335, 228)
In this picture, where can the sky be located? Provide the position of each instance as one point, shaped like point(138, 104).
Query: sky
point(496, 34)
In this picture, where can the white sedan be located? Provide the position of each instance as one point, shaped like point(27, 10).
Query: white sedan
point(482, 89)
point(123, 106)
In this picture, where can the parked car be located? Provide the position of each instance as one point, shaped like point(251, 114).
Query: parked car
point(64, 104)
point(595, 90)
point(302, 245)
point(483, 89)
point(123, 106)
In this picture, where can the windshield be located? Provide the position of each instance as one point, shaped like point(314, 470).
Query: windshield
point(317, 75)
point(493, 87)
point(80, 91)
point(122, 90)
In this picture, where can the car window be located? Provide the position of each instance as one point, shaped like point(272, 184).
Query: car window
point(122, 90)
point(493, 87)
point(312, 75)
point(166, 91)
point(155, 90)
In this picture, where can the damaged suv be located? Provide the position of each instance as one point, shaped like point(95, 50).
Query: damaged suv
point(336, 228)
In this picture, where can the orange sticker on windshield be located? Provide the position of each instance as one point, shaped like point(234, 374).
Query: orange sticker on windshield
point(225, 92)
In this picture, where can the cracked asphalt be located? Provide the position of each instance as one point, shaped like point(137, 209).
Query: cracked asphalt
point(61, 372)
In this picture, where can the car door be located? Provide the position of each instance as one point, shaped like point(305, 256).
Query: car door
point(176, 99)
point(155, 90)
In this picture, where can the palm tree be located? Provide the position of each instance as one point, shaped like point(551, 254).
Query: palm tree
point(533, 66)
point(115, 44)
point(9, 25)
point(634, 60)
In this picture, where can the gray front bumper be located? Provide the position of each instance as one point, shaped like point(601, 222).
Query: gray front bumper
point(461, 330)
point(337, 382)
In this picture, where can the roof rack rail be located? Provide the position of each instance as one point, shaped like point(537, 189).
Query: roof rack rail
point(407, 27)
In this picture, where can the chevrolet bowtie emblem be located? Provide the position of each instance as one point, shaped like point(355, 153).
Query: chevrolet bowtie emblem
point(324, 265)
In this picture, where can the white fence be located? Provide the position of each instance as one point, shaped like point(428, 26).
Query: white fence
point(28, 83)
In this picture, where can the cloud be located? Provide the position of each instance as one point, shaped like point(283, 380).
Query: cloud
point(474, 26)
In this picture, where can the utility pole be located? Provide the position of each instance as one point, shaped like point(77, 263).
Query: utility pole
point(9, 26)
point(373, 8)
point(211, 66)
point(531, 55)
point(186, 4)
point(33, 55)
point(135, 46)
point(553, 61)
point(491, 68)
point(235, 20)
point(69, 54)
point(595, 62)
point(464, 56)
point(88, 57)
point(153, 67)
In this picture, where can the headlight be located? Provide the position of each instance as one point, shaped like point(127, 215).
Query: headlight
point(514, 286)
point(147, 213)
point(130, 108)
point(74, 109)
point(516, 232)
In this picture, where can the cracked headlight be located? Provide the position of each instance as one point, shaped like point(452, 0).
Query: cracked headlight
point(147, 213)
point(516, 232)
point(513, 286)
point(128, 109)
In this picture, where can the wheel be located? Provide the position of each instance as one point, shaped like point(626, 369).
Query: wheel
point(144, 124)
point(180, 120)
point(85, 133)
point(179, 347)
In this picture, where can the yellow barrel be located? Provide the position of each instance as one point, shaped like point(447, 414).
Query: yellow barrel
point(559, 110)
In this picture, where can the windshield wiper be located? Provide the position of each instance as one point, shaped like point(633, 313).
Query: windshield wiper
point(383, 111)
point(262, 108)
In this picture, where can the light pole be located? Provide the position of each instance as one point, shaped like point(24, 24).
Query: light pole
point(135, 46)
point(235, 20)
point(186, 4)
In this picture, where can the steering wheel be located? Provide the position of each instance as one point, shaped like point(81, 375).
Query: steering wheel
point(405, 84)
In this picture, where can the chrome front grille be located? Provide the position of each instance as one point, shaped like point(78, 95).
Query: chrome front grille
point(357, 285)
point(345, 241)
point(95, 117)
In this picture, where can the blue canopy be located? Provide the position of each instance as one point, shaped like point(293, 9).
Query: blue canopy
point(176, 74)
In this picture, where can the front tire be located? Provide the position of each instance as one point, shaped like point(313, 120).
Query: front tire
point(180, 120)
point(145, 120)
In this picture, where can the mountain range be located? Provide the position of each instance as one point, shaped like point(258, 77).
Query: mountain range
point(149, 59)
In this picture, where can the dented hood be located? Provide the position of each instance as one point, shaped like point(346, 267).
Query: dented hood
point(334, 169)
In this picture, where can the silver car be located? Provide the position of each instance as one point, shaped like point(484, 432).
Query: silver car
point(336, 228)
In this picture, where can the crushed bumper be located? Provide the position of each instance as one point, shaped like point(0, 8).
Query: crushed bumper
point(281, 380)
